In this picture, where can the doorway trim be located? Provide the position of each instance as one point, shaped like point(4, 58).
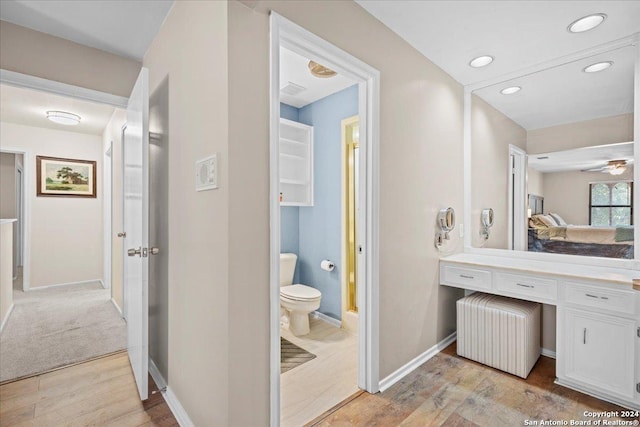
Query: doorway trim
point(517, 198)
point(28, 181)
point(107, 201)
point(290, 35)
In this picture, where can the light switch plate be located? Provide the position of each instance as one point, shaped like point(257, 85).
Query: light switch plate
point(207, 173)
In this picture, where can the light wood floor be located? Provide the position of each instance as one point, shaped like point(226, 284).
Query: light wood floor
point(312, 388)
point(449, 390)
point(100, 392)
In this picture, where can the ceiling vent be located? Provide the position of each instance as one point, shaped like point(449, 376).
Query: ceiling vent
point(292, 89)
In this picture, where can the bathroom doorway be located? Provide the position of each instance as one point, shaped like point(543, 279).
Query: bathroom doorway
point(323, 185)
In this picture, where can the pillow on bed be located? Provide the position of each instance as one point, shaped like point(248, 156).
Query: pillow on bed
point(558, 219)
point(543, 221)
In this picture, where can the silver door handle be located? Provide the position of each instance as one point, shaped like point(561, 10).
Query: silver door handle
point(134, 252)
point(122, 234)
point(154, 251)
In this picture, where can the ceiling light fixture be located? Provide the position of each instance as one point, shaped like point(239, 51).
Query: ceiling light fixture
point(616, 167)
point(598, 66)
point(321, 71)
point(510, 90)
point(481, 61)
point(587, 23)
point(63, 118)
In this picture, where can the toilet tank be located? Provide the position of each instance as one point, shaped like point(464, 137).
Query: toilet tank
point(287, 268)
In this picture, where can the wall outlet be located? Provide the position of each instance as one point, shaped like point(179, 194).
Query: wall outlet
point(207, 173)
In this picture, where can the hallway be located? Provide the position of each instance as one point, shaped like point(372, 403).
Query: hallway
point(57, 327)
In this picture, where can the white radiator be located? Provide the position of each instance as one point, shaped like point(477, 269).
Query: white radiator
point(500, 332)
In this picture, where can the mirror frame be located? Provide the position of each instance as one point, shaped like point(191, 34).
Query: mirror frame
point(634, 41)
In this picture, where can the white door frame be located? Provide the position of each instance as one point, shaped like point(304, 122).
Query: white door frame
point(517, 199)
point(28, 181)
point(20, 211)
point(108, 214)
point(288, 34)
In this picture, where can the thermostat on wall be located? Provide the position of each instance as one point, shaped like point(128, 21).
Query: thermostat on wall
point(207, 173)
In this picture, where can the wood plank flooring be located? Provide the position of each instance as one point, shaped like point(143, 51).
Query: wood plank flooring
point(452, 391)
point(99, 392)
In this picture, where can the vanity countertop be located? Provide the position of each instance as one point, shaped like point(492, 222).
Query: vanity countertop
point(575, 271)
point(7, 220)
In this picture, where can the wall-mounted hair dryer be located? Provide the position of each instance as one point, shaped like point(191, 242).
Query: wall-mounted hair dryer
point(445, 222)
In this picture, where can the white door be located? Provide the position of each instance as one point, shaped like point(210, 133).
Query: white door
point(136, 227)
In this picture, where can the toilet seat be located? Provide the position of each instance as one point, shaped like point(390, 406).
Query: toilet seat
point(300, 293)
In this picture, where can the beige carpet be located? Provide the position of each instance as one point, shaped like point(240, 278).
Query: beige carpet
point(291, 355)
point(59, 326)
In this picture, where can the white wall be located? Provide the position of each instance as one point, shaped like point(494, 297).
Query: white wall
point(8, 207)
point(535, 182)
point(66, 234)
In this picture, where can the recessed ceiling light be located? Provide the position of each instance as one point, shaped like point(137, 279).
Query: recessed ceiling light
point(63, 118)
point(510, 90)
point(481, 61)
point(598, 66)
point(587, 23)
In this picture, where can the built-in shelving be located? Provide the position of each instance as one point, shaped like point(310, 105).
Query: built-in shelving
point(296, 163)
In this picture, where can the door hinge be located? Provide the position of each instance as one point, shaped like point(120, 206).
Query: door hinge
point(638, 331)
point(638, 387)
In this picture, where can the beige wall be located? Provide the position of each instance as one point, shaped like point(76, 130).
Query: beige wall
point(42, 55)
point(608, 130)
point(491, 134)
point(567, 193)
point(535, 182)
point(66, 234)
point(190, 51)
point(113, 135)
point(6, 267)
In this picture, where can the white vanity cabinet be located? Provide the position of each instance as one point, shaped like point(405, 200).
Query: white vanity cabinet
point(296, 164)
point(597, 351)
point(598, 316)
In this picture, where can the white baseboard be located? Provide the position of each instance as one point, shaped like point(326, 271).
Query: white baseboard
point(156, 375)
point(548, 353)
point(176, 408)
point(82, 282)
point(405, 370)
point(330, 320)
point(115, 304)
point(4, 321)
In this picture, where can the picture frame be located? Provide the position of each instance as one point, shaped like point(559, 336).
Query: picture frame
point(60, 177)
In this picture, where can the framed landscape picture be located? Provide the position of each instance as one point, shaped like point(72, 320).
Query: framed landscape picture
point(65, 177)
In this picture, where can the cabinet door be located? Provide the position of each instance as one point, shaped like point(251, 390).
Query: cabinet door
point(600, 351)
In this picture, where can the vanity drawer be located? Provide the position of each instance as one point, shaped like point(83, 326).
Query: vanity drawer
point(527, 286)
point(466, 277)
point(619, 301)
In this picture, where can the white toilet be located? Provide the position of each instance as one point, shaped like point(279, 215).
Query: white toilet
point(297, 300)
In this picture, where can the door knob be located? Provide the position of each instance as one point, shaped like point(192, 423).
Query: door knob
point(134, 252)
point(154, 251)
point(122, 234)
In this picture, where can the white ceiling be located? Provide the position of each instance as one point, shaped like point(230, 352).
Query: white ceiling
point(520, 34)
point(29, 107)
point(581, 158)
point(294, 69)
point(125, 28)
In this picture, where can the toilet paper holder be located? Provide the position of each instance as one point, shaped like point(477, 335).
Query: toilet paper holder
point(327, 265)
point(445, 222)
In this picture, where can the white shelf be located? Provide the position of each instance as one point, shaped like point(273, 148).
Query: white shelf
point(296, 163)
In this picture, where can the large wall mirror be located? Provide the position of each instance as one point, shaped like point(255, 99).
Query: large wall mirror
point(552, 153)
